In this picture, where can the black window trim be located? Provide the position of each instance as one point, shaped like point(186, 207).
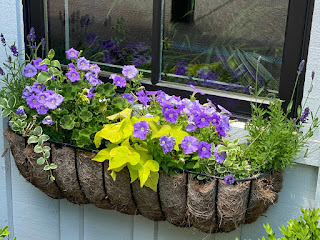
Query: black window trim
point(296, 45)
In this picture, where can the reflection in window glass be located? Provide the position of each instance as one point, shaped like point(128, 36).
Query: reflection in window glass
point(225, 44)
point(112, 32)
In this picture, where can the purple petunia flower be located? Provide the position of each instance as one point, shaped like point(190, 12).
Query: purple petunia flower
point(129, 71)
point(42, 109)
point(95, 69)
point(215, 119)
point(191, 127)
point(219, 157)
point(203, 120)
point(71, 66)
point(171, 115)
point(143, 98)
point(20, 110)
point(90, 92)
point(223, 126)
point(167, 143)
point(42, 67)
point(83, 64)
point(223, 110)
point(189, 144)
point(14, 51)
point(129, 97)
point(73, 75)
point(150, 93)
point(72, 53)
point(32, 101)
point(196, 90)
point(304, 115)
point(37, 88)
point(204, 149)
point(166, 107)
point(42, 98)
point(229, 179)
point(27, 91)
point(140, 130)
point(53, 101)
point(60, 99)
point(47, 121)
point(119, 81)
point(29, 71)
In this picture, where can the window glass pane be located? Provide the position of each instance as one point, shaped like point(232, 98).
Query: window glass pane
point(112, 32)
point(56, 27)
point(217, 44)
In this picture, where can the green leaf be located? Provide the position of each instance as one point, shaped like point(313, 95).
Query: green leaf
point(67, 122)
point(37, 131)
point(4, 103)
point(164, 130)
point(41, 160)
point(53, 166)
point(122, 114)
point(5, 112)
point(43, 77)
point(55, 63)
point(43, 138)
point(46, 148)
point(152, 181)
point(51, 54)
point(52, 178)
point(289, 106)
point(12, 102)
point(134, 174)
point(54, 72)
point(47, 154)
point(47, 168)
point(37, 149)
point(152, 165)
point(178, 135)
point(104, 154)
point(86, 115)
point(119, 157)
point(32, 139)
point(113, 175)
point(45, 61)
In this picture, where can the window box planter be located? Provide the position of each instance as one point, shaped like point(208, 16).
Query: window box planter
point(183, 201)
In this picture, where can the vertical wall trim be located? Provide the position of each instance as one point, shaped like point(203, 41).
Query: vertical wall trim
point(317, 198)
point(155, 230)
point(66, 22)
point(81, 222)
point(46, 24)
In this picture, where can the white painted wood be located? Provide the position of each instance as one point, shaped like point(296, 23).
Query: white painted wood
point(139, 228)
point(71, 213)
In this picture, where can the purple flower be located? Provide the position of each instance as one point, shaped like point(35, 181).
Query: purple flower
point(29, 71)
point(203, 120)
point(107, 44)
point(90, 92)
point(223, 110)
point(27, 91)
point(43, 43)
point(301, 66)
point(143, 98)
point(47, 121)
point(20, 110)
point(42, 67)
point(171, 115)
point(167, 143)
point(1, 71)
point(129, 97)
point(166, 107)
point(94, 68)
point(83, 64)
point(215, 119)
point(59, 98)
point(71, 66)
point(223, 126)
point(72, 53)
point(32, 35)
point(189, 144)
point(32, 101)
point(229, 179)
point(304, 115)
point(73, 75)
point(3, 40)
point(140, 130)
point(196, 90)
point(42, 109)
point(219, 157)
point(191, 127)
point(37, 87)
point(119, 81)
point(14, 50)
point(204, 149)
point(53, 101)
point(129, 71)
point(42, 98)
point(153, 92)
point(162, 98)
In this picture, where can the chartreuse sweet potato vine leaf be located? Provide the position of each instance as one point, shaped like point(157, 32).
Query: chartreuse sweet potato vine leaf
point(121, 153)
point(123, 114)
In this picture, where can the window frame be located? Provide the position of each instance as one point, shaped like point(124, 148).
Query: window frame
point(297, 36)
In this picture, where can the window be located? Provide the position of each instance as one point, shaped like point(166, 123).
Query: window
point(220, 45)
